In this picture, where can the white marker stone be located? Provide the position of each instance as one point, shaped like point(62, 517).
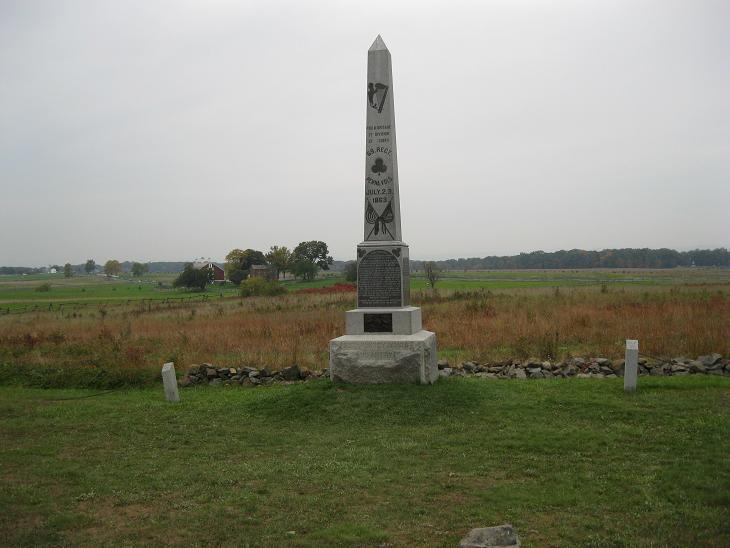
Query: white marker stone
point(631, 366)
point(170, 381)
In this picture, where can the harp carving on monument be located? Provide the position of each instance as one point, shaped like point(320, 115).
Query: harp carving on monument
point(376, 89)
point(379, 222)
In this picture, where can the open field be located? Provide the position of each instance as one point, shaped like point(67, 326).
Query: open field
point(107, 346)
point(569, 463)
point(506, 279)
point(19, 293)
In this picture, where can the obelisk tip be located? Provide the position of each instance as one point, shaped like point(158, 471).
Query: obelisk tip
point(378, 45)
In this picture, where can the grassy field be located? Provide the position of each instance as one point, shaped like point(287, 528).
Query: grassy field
point(569, 463)
point(20, 293)
point(105, 345)
point(510, 279)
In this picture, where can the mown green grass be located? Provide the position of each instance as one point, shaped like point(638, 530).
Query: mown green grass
point(568, 462)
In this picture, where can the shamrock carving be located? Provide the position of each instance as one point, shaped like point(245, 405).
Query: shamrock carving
point(379, 166)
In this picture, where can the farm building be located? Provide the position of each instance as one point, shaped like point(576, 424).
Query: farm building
point(262, 271)
point(219, 274)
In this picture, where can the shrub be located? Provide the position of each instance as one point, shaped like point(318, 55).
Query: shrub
point(259, 287)
point(43, 287)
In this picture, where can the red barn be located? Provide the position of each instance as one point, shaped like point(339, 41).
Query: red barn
point(219, 274)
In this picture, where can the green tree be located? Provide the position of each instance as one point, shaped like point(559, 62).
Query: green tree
point(67, 272)
point(239, 262)
point(112, 267)
point(280, 259)
point(308, 257)
point(237, 276)
point(351, 271)
point(233, 261)
point(90, 266)
point(193, 278)
point(305, 270)
point(139, 269)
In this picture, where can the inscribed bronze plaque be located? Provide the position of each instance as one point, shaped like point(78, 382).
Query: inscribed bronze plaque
point(379, 280)
point(378, 323)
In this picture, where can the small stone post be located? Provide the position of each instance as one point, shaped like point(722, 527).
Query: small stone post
point(631, 365)
point(170, 381)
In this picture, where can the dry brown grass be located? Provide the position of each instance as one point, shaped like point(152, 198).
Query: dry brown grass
point(275, 332)
point(584, 322)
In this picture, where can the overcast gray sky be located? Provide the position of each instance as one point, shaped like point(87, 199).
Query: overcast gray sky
point(151, 130)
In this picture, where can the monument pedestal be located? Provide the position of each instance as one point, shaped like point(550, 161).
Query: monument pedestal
point(392, 321)
point(384, 345)
point(380, 358)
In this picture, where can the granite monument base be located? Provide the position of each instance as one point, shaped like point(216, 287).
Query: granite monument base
point(384, 321)
point(379, 358)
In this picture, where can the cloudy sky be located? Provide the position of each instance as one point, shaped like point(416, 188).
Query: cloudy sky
point(170, 130)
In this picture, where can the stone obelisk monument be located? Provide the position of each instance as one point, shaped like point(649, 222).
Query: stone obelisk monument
point(384, 341)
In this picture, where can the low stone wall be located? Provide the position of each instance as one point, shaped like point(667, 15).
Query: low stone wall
point(586, 368)
point(209, 374)
point(715, 364)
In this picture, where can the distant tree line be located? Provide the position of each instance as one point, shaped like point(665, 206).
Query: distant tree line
point(19, 270)
point(111, 267)
point(579, 258)
point(308, 258)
